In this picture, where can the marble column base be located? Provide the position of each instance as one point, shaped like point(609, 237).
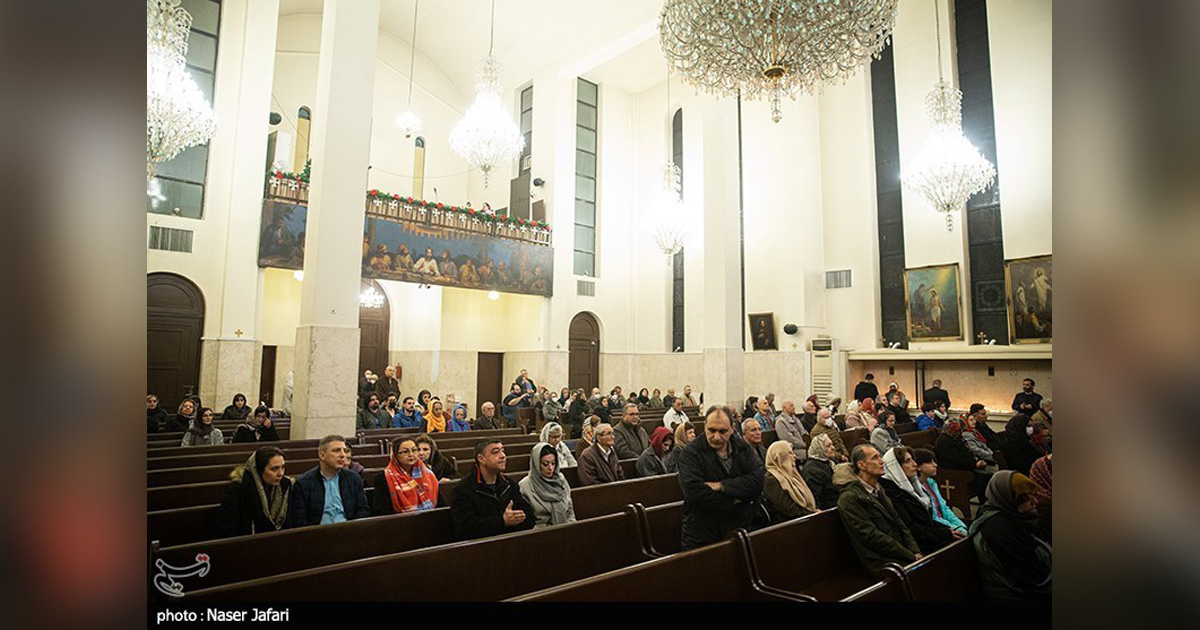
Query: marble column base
point(325, 382)
point(228, 367)
point(724, 377)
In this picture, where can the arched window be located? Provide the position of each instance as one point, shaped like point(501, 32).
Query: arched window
point(419, 168)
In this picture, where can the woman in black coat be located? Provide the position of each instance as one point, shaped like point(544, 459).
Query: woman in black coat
point(156, 416)
point(258, 428)
point(818, 471)
point(238, 410)
point(912, 503)
point(257, 498)
point(1023, 443)
point(953, 454)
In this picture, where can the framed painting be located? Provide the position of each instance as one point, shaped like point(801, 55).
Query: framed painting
point(1030, 313)
point(762, 331)
point(933, 303)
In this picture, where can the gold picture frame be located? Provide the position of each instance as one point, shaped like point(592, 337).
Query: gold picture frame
point(1028, 299)
point(928, 291)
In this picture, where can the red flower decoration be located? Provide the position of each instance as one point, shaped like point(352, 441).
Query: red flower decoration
point(278, 174)
point(439, 205)
point(522, 221)
point(374, 192)
point(471, 212)
point(410, 200)
point(395, 196)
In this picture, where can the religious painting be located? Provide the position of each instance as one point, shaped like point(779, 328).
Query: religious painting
point(933, 303)
point(413, 252)
point(762, 331)
point(1030, 315)
point(281, 243)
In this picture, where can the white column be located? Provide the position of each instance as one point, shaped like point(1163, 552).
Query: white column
point(724, 374)
point(230, 360)
point(327, 338)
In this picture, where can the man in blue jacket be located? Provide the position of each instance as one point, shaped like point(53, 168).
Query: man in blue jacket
point(408, 416)
point(721, 478)
point(329, 493)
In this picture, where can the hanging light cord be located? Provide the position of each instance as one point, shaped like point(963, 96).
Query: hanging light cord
point(492, 39)
point(937, 16)
point(413, 59)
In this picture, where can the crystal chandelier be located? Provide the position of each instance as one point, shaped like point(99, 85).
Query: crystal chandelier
point(772, 47)
point(177, 117)
point(487, 135)
point(668, 224)
point(370, 298)
point(408, 123)
point(949, 169)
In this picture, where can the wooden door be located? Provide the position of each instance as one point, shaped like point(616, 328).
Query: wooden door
point(489, 381)
point(266, 383)
point(374, 330)
point(174, 324)
point(584, 353)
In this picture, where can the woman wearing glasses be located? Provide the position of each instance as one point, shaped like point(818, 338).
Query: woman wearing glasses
point(407, 484)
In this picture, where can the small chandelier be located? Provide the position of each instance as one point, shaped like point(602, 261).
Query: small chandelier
point(487, 135)
point(177, 117)
point(772, 47)
point(668, 224)
point(408, 123)
point(948, 169)
point(370, 298)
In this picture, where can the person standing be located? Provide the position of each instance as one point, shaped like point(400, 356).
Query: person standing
point(936, 394)
point(866, 388)
point(387, 384)
point(1027, 401)
point(721, 480)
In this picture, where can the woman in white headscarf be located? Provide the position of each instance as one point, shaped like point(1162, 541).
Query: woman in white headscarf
point(784, 489)
point(545, 488)
point(912, 503)
point(818, 471)
point(552, 434)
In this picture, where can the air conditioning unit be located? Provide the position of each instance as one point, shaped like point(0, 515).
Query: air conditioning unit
point(822, 369)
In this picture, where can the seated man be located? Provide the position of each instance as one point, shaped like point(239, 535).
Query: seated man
point(598, 463)
point(790, 429)
point(721, 480)
point(328, 493)
point(372, 415)
point(487, 418)
point(876, 531)
point(258, 429)
point(630, 438)
point(929, 418)
point(763, 415)
point(408, 416)
point(674, 416)
point(486, 503)
point(752, 433)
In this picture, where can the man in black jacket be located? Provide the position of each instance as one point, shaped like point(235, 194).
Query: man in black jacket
point(387, 384)
point(721, 480)
point(1027, 401)
point(329, 493)
point(936, 394)
point(486, 503)
point(866, 388)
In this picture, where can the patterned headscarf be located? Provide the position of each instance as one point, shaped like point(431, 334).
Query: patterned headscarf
point(1040, 474)
point(816, 448)
point(275, 506)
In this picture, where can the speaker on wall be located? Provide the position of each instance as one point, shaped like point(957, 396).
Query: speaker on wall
point(790, 329)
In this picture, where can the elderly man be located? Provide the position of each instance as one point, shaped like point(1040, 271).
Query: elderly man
point(670, 397)
point(790, 429)
point(752, 433)
point(328, 493)
point(631, 439)
point(876, 531)
point(675, 416)
point(826, 425)
point(387, 384)
point(688, 401)
point(721, 479)
point(486, 503)
point(487, 418)
point(598, 462)
point(763, 415)
point(809, 418)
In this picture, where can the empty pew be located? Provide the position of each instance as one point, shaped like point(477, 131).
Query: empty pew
point(854, 437)
point(245, 447)
point(719, 572)
point(811, 555)
point(890, 590)
point(233, 458)
point(453, 572)
point(606, 498)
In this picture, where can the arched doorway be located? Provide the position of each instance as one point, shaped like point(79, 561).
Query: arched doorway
point(584, 359)
point(374, 331)
point(174, 324)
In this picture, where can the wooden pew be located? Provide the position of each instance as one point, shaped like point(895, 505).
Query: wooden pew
point(453, 572)
point(955, 488)
point(233, 458)
point(854, 437)
point(606, 498)
point(220, 472)
point(811, 555)
point(950, 574)
point(890, 590)
point(719, 572)
point(920, 439)
point(664, 525)
point(244, 447)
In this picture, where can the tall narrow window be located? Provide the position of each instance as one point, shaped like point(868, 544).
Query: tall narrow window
point(585, 178)
point(419, 168)
point(178, 189)
point(677, 310)
point(527, 128)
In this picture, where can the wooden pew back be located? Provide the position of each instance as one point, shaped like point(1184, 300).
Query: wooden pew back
point(810, 555)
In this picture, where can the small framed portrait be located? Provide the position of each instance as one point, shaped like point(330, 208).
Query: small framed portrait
point(1029, 285)
point(762, 331)
point(933, 303)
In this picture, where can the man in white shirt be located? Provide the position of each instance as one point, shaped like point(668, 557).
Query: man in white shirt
point(675, 416)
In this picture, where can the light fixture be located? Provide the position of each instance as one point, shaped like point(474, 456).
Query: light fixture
point(408, 123)
point(948, 169)
point(177, 117)
point(493, 295)
point(770, 47)
point(667, 225)
point(370, 298)
point(298, 275)
point(487, 135)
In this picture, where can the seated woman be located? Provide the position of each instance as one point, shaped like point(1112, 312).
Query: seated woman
point(256, 499)
point(552, 434)
point(1015, 564)
point(545, 489)
point(785, 492)
point(656, 401)
point(1040, 474)
point(818, 471)
point(459, 420)
point(156, 416)
point(202, 432)
point(978, 443)
point(926, 471)
point(915, 507)
point(435, 419)
point(953, 454)
point(258, 428)
point(1023, 443)
point(183, 417)
point(884, 437)
point(238, 410)
point(684, 433)
point(643, 398)
point(441, 465)
point(653, 460)
point(407, 484)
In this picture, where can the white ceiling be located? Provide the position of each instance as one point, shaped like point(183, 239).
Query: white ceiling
point(531, 35)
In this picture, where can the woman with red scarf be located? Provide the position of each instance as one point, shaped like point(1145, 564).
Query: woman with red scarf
point(870, 417)
point(407, 484)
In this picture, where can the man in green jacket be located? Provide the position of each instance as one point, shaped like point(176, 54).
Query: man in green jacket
point(875, 529)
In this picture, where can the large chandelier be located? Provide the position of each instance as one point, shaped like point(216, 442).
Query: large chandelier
point(948, 169)
point(772, 47)
point(408, 123)
point(487, 135)
point(177, 117)
point(668, 224)
point(370, 298)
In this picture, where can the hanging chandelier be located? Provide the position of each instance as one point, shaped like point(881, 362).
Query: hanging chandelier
point(487, 135)
point(772, 47)
point(370, 298)
point(668, 224)
point(948, 169)
point(177, 117)
point(408, 123)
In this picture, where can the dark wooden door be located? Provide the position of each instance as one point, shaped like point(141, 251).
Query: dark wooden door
point(174, 324)
point(489, 381)
point(584, 353)
point(266, 383)
point(374, 330)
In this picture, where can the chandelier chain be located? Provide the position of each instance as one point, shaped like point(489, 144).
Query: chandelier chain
point(412, 61)
point(492, 38)
point(937, 17)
